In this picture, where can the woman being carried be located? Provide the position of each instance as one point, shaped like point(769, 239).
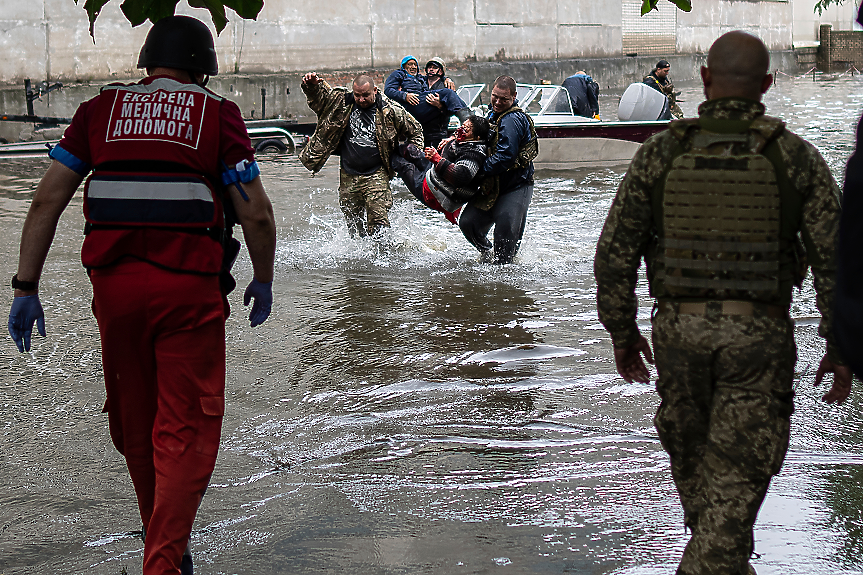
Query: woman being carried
point(446, 178)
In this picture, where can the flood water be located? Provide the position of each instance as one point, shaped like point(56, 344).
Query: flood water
point(411, 410)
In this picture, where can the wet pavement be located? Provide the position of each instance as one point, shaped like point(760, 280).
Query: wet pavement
point(410, 410)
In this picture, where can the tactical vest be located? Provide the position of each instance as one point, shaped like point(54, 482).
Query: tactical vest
point(489, 188)
point(727, 214)
point(155, 151)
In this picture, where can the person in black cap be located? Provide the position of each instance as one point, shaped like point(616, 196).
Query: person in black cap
point(658, 80)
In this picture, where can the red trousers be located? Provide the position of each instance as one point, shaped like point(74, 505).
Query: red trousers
point(163, 353)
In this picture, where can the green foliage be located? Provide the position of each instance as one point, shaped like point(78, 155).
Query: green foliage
point(822, 5)
point(139, 11)
point(685, 5)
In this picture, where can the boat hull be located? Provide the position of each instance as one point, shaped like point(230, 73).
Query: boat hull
point(580, 153)
point(591, 144)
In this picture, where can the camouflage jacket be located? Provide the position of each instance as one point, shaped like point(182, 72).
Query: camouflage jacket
point(627, 234)
point(333, 107)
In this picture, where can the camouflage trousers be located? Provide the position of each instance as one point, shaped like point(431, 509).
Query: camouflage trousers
point(726, 387)
point(366, 197)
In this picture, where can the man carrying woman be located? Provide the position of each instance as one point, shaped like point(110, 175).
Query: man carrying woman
point(445, 178)
point(430, 98)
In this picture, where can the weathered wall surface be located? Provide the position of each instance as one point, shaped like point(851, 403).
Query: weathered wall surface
point(807, 22)
point(771, 21)
point(49, 38)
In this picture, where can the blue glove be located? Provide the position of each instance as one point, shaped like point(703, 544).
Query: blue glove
point(263, 294)
point(25, 310)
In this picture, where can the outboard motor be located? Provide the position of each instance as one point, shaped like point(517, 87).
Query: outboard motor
point(641, 103)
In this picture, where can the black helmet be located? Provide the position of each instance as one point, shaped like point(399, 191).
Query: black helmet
point(180, 42)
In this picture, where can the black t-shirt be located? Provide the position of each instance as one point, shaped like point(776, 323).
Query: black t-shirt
point(359, 148)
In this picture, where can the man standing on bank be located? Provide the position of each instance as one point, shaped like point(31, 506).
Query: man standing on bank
point(507, 188)
point(159, 152)
point(365, 128)
point(716, 206)
point(658, 80)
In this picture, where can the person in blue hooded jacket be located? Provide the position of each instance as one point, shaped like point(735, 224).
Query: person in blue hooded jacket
point(583, 93)
point(431, 107)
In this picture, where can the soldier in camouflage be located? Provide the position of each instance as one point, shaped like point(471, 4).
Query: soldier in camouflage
point(658, 80)
point(719, 207)
point(364, 127)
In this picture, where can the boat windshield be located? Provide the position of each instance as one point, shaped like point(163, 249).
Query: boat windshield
point(548, 100)
point(471, 94)
point(523, 93)
point(559, 103)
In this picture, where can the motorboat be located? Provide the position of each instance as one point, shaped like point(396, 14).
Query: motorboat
point(568, 141)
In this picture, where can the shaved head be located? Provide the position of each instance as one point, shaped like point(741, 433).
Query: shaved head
point(737, 65)
point(363, 80)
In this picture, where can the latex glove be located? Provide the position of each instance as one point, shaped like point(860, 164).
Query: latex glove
point(25, 310)
point(263, 294)
point(432, 155)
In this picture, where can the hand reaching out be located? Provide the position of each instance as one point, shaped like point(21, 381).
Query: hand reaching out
point(445, 141)
point(432, 155)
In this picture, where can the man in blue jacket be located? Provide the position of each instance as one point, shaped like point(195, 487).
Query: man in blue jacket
point(583, 93)
point(431, 107)
point(507, 188)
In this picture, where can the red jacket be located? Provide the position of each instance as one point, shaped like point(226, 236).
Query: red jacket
point(156, 148)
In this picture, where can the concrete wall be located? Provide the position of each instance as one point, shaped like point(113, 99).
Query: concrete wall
point(49, 38)
point(807, 22)
point(769, 20)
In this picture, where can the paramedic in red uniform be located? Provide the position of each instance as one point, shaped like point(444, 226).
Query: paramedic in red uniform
point(167, 160)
